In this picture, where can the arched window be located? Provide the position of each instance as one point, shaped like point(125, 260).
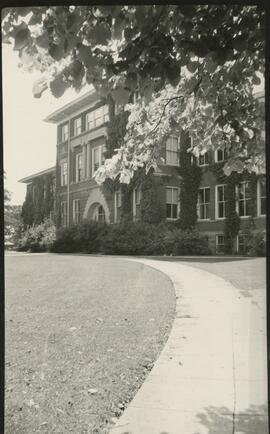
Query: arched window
point(101, 214)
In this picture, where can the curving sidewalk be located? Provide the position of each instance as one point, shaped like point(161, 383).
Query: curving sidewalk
point(211, 377)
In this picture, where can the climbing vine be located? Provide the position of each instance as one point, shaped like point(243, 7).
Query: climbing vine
point(191, 178)
point(39, 201)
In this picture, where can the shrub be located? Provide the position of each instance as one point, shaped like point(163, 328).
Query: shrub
point(84, 237)
point(188, 242)
point(256, 243)
point(130, 238)
point(37, 238)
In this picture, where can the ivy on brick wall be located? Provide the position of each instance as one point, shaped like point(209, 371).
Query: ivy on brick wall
point(233, 221)
point(191, 178)
point(39, 201)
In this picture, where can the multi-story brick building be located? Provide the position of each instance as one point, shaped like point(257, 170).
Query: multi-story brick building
point(82, 133)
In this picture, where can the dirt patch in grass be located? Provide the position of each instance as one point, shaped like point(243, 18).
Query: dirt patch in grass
point(82, 334)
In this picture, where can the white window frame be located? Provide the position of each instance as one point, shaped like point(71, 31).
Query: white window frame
point(135, 203)
point(237, 241)
point(259, 198)
point(76, 211)
point(77, 128)
point(204, 203)
point(97, 121)
point(238, 200)
point(216, 243)
point(217, 202)
point(203, 156)
point(64, 214)
point(117, 206)
point(101, 158)
point(64, 133)
point(64, 173)
point(173, 152)
point(173, 203)
point(78, 169)
point(223, 153)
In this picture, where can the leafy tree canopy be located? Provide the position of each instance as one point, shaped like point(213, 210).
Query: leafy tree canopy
point(195, 67)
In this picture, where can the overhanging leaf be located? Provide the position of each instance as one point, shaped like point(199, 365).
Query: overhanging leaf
point(21, 38)
point(121, 96)
point(58, 86)
point(39, 87)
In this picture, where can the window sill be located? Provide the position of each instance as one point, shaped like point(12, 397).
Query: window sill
point(204, 220)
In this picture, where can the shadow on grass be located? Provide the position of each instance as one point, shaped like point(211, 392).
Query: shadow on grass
point(219, 420)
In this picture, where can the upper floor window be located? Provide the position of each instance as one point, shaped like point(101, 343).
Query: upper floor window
point(76, 211)
point(78, 167)
point(77, 126)
point(172, 203)
point(204, 203)
point(221, 155)
point(64, 133)
point(204, 159)
point(97, 117)
point(98, 157)
point(172, 151)
point(64, 213)
point(137, 195)
point(261, 196)
point(221, 201)
point(243, 199)
point(64, 173)
point(117, 206)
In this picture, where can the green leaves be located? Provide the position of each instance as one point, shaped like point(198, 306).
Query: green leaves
point(56, 51)
point(121, 96)
point(58, 86)
point(85, 56)
point(39, 87)
point(256, 80)
point(172, 71)
point(21, 37)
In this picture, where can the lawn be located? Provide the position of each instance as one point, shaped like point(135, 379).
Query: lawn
point(81, 335)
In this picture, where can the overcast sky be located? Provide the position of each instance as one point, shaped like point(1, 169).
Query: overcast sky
point(29, 143)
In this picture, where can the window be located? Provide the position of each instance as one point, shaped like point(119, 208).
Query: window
point(172, 203)
point(97, 117)
point(63, 167)
point(64, 213)
point(204, 159)
point(172, 151)
point(136, 203)
point(76, 211)
point(221, 155)
point(242, 243)
point(261, 196)
point(98, 157)
point(243, 201)
point(204, 203)
point(101, 214)
point(220, 201)
point(77, 126)
point(78, 167)
point(220, 244)
point(117, 206)
point(64, 133)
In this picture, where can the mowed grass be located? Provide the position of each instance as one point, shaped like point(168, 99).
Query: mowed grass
point(82, 333)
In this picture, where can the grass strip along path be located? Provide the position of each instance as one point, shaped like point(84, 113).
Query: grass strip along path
point(82, 333)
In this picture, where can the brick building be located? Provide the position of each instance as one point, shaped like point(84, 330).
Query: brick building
point(82, 133)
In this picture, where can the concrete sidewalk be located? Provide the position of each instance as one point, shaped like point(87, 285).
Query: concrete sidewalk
point(211, 377)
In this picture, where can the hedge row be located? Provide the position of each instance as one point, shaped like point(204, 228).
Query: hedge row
point(132, 238)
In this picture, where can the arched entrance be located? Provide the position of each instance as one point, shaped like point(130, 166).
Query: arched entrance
point(97, 213)
point(96, 207)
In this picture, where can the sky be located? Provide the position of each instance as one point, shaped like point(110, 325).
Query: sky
point(29, 142)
